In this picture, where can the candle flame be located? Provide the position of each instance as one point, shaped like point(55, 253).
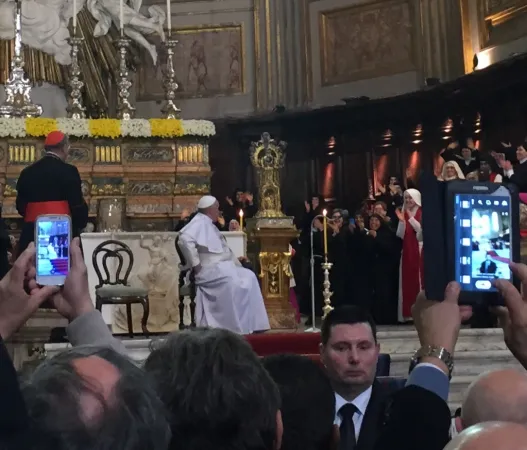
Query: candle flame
point(325, 212)
point(241, 212)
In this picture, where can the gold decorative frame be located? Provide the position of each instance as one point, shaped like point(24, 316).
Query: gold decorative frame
point(144, 95)
point(405, 66)
point(486, 20)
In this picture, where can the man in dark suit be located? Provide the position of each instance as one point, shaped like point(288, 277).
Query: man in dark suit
point(50, 186)
point(517, 174)
point(488, 266)
point(349, 351)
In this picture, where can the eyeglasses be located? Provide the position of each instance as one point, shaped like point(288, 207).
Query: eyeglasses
point(336, 217)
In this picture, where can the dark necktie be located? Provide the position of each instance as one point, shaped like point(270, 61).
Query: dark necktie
point(347, 428)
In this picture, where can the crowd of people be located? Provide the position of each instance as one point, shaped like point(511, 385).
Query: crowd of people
point(377, 252)
point(205, 388)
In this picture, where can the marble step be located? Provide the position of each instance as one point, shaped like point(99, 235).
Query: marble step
point(406, 341)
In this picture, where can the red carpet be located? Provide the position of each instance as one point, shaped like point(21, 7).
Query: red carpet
point(297, 343)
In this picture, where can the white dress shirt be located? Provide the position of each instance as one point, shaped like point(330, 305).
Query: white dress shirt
point(361, 403)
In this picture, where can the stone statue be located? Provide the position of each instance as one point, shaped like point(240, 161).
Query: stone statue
point(154, 277)
point(44, 25)
point(136, 25)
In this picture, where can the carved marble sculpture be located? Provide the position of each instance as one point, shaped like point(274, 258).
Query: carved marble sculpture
point(45, 23)
point(136, 25)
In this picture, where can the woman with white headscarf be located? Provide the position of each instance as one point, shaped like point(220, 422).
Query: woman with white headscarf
point(451, 171)
point(411, 267)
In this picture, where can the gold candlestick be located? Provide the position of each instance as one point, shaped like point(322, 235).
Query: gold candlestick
point(326, 293)
point(170, 110)
point(76, 109)
point(125, 110)
point(18, 101)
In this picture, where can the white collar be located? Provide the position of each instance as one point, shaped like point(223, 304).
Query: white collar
point(523, 160)
point(360, 402)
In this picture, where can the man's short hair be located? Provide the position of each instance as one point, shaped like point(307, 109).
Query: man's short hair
point(135, 419)
point(218, 393)
point(308, 402)
point(347, 315)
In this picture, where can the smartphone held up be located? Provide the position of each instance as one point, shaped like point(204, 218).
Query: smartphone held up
point(470, 234)
point(52, 243)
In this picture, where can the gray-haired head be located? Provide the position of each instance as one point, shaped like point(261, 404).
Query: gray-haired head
point(491, 436)
point(90, 398)
point(218, 393)
point(500, 395)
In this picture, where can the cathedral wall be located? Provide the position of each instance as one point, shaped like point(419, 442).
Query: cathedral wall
point(239, 57)
point(493, 30)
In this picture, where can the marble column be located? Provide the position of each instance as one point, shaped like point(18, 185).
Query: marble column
point(441, 39)
point(280, 54)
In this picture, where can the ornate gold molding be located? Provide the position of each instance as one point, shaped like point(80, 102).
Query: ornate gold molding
point(273, 267)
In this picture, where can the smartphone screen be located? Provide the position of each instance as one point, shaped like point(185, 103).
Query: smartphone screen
point(482, 239)
point(52, 241)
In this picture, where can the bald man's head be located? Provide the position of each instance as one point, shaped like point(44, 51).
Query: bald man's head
point(491, 436)
point(496, 396)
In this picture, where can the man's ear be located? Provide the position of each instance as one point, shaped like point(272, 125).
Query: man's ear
point(459, 424)
point(279, 431)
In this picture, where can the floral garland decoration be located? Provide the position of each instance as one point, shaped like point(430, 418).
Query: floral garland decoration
point(106, 128)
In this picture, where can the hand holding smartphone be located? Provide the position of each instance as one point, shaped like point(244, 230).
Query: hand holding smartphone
point(52, 242)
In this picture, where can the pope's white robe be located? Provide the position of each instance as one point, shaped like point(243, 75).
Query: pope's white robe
point(227, 295)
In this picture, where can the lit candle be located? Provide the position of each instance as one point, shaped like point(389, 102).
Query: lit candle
point(241, 219)
point(325, 233)
point(74, 17)
point(121, 16)
point(169, 19)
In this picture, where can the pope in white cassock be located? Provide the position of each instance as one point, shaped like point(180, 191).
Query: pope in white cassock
point(228, 295)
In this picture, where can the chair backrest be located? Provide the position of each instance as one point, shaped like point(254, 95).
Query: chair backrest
point(111, 250)
point(182, 259)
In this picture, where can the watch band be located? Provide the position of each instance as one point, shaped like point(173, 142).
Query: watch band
point(435, 352)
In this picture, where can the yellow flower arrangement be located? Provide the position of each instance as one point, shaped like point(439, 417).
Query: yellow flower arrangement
point(40, 127)
point(166, 128)
point(105, 128)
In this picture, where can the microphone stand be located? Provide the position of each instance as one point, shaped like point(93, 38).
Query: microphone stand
point(313, 328)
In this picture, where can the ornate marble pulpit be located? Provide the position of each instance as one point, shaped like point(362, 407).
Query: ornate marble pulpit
point(156, 268)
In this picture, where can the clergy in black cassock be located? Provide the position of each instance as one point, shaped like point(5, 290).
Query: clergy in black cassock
point(50, 186)
point(339, 255)
point(385, 252)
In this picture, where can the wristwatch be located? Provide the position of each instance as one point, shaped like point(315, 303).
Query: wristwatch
point(435, 352)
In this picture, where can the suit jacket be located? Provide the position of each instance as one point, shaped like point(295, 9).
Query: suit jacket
point(491, 269)
point(519, 178)
point(417, 419)
point(14, 422)
point(375, 416)
point(50, 179)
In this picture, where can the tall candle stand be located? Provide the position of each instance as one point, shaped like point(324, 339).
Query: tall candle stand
point(76, 109)
point(18, 87)
point(125, 110)
point(326, 293)
point(170, 110)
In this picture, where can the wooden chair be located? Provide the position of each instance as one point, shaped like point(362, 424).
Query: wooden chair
point(186, 290)
point(115, 290)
